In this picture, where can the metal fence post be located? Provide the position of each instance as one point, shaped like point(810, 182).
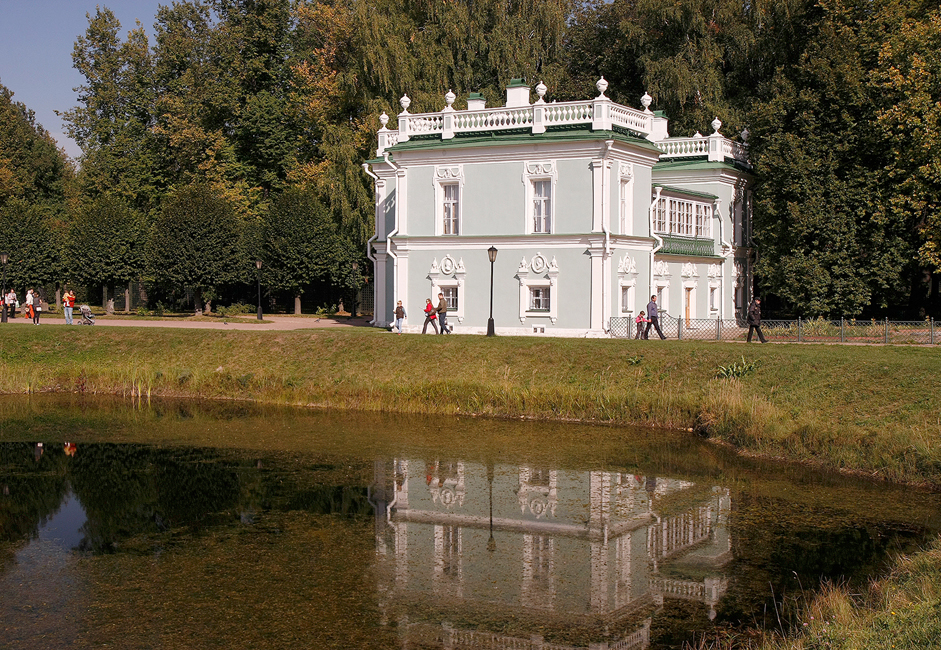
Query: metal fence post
point(798, 329)
point(886, 329)
point(931, 329)
point(842, 329)
point(718, 329)
point(679, 329)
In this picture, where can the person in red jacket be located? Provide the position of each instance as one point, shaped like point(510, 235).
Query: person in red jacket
point(68, 303)
point(431, 316)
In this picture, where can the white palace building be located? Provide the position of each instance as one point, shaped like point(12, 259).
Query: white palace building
point(591, 206)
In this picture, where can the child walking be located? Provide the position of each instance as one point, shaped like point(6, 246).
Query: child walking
point(399, 316)
point(641, 320)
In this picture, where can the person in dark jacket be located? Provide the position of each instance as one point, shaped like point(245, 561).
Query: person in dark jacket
point(754, 320)
point(442, 312)
point(653, 318)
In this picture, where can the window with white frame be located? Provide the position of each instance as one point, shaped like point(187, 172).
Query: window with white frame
point(625, 205)
point(449, 185)
point(450, 297)
point(539, 299)
point(713, 298)
point(451, 206)
point(627, 300)
point(542, 206)
point(683, 217)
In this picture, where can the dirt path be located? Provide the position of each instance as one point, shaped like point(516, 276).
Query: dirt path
point(279, 323)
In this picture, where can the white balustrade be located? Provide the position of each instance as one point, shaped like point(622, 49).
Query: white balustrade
point(631, 118)
point(492, 119)
point(568, 113)
point(683, 147)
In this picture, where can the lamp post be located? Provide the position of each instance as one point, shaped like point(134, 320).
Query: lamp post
point(355, 290)
point(492, 253)
point(258, 266)
point(4, 257)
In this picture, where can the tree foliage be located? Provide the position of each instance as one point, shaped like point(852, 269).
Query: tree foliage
point(107, 242)
point(195, 242)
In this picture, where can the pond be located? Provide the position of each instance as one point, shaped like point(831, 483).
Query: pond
point(183, 525)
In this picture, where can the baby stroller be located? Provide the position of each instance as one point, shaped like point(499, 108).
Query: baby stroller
point(88, 318)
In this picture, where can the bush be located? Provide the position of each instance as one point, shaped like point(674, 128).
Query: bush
point(236, 309)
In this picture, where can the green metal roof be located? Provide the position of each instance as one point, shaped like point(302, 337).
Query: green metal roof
point(681, 190)
point(522, 135)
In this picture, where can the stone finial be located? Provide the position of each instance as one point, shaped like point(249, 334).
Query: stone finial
point(601, 85)
point(716, 125)
point(646, 101)
point(383, 119)
point(541, 92)
point(405, 103)
point(744, 135)
point(449, 99)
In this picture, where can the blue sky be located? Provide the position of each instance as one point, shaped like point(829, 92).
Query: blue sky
point(36, 40)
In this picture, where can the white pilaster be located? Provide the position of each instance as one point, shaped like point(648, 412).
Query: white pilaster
point(596, 321)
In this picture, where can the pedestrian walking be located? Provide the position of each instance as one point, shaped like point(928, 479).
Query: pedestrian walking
point(11, 303)
point(431, 316)
point(33, 306)
point(754, 320)
point(640, 320)
point(399, 316)
point(653, 320)
point(442, 311)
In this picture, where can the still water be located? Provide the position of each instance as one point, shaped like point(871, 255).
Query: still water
point(193, 525)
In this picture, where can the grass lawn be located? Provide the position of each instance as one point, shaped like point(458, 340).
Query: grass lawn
point(870, 409)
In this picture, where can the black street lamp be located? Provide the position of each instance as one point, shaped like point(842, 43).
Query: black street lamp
point(4, 257)
point(355, 291)
point(258, 266)
point(492, 253)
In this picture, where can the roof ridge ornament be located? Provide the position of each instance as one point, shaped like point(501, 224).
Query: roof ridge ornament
point(601, 85)
point(405, 103)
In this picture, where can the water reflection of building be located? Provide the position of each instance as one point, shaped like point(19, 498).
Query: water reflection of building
point(502, 556)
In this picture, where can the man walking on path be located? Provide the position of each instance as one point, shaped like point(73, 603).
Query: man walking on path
point(754, 320)
point(653, 318)
point(442, 311)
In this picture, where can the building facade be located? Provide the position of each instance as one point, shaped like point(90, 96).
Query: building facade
point(591, 206)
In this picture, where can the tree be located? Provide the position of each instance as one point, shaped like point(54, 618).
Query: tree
point(195, 243)
point(909, 76)
point(113, 123)
point(108, 240)
point(26, 234)
point(32, 167)
point(829, 240)
point(301, 244)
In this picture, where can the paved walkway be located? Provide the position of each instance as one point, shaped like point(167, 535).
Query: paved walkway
point(277, 323)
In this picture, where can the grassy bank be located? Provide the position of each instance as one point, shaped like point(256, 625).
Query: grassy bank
point(899, 611)
point(869, 409)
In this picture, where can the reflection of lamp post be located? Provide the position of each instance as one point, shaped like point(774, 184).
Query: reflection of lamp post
point(491, 544)
point(4, 257)
point(258, 266)
point(355, 290)
point(492, 253)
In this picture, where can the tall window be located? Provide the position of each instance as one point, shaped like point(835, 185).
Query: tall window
point(542, 206)
point(703, 220)
point(539, 298)
point(625, 205)
point(450, 297)
point(452, 209)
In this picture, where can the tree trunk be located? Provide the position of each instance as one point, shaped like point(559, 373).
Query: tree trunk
point(127, 299)
point(58, 295)
point(198, 301)
point(297, 304)
point(104, 297)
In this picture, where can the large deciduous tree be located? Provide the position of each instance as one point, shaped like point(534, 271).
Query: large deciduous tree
point(27, 235)
point(108, 240)
point(195, 243)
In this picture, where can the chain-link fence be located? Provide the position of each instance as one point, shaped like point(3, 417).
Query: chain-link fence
point(845, 330)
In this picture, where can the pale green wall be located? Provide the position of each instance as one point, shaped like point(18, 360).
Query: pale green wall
point(421, 200)
point(494, 199)
point(573, 197)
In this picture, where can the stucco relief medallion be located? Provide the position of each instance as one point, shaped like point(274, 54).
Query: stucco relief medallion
point(661, 268)
point(539, 264)
point(447, 265)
